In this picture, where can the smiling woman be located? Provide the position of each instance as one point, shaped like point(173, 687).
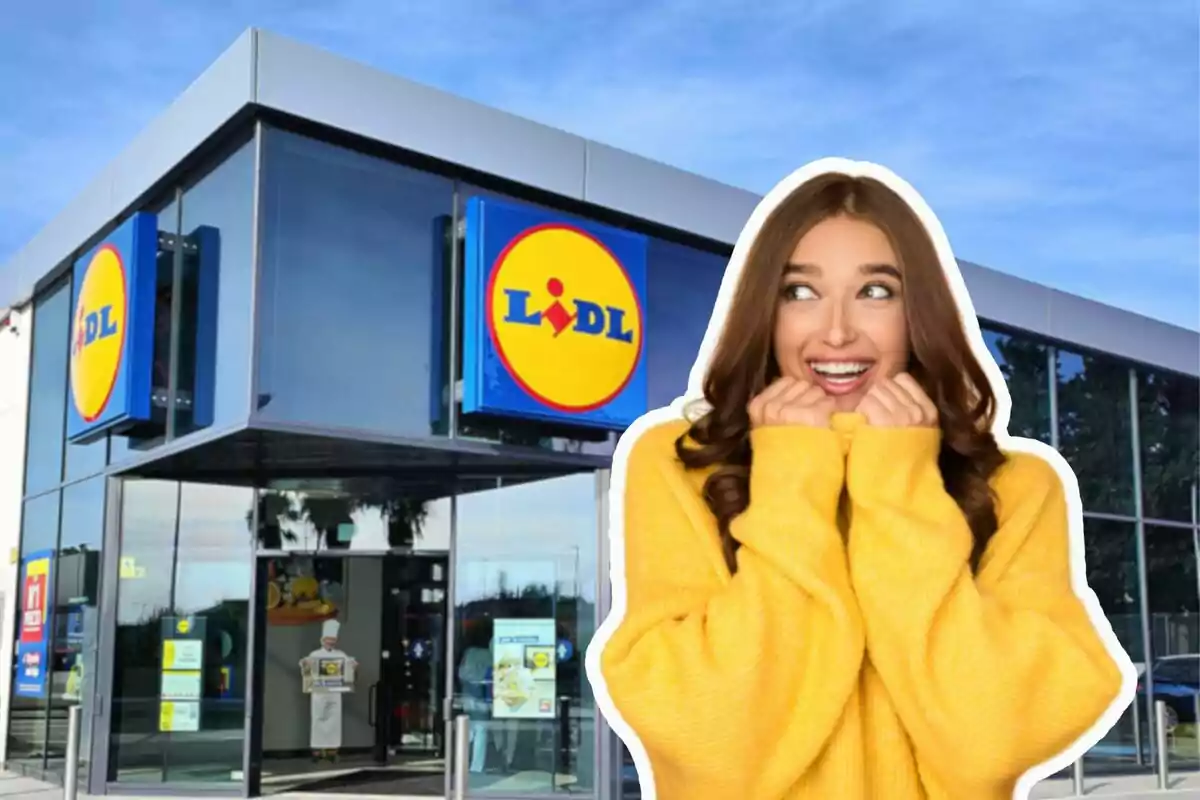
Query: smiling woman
point(835, 538)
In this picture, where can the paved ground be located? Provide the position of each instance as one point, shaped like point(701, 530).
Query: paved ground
point(15, 787)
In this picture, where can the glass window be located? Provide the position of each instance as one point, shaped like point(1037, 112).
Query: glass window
point(525, 609)
point(218, 221)
point(183, 597)
point(1174, 599)
point(1169, 434)
point(351, 256)
point(48, 389)
point(682, 285)
point(1094, 429)
point(1172, 590)
point(212, 592)
point(1026, 368)
point(1111, 554)
point(27, 719)
point(148, 516)
point(76, 617)
point(309, 518)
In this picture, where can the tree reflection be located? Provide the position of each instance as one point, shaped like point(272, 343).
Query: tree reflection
point(1023, 362)
point(281, 513)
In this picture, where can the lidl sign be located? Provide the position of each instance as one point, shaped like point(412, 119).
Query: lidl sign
point(112, 331)
point(554, 317)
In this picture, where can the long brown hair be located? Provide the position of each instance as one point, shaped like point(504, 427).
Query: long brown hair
point(942, 361)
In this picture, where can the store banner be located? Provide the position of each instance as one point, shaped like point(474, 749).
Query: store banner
point(112, 331)
point(524, 669)
point(554, 320)
point(34, 634)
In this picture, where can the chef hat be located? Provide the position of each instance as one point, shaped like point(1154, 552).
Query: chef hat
point(330, 629)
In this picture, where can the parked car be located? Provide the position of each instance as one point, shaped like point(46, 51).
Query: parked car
point(1177, 683)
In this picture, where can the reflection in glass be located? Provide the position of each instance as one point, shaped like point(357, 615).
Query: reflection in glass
point(1111, 557)
point(184, 577)
point(1094, 429)
point(525, 611)
point(218, 218)
point(1026, 369)
point(48, 390)
point(681, 288)
point(351, 254)
point(27, 718)
point(1169, 434)
point(311, 518)
point(1174, 600)
point(76, 617)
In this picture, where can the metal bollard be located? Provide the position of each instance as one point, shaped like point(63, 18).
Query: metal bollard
point(71, 770)
point(1077, 776)
point(1160, 741)
point(462, 741)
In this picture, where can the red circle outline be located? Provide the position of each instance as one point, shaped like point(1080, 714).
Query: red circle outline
point(112, 383)
point(494, 271)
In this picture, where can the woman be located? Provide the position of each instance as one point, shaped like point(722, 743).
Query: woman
point(836, 584)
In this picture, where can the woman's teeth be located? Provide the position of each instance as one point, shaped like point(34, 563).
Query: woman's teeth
point(840, 371)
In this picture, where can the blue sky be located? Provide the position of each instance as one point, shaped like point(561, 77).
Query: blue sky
point(1058, 141)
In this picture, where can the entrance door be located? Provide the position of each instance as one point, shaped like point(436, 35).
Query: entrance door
point(525, 606)
point(407, 707)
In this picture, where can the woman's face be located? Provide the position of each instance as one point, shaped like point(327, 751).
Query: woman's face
point(841, 321)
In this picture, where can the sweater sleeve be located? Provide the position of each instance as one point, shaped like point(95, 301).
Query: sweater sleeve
point(991, 674)
point(733, 684)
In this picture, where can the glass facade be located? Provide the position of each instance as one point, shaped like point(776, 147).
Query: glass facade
point(334, 317)
point(185, 574)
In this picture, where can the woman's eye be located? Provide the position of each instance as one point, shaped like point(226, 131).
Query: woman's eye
point(799, 291)
point(878, 291)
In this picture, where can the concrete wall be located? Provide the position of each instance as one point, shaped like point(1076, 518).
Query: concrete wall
point(286, 722)
point(14, 396)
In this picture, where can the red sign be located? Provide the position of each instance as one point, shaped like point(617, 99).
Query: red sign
point(33, 603)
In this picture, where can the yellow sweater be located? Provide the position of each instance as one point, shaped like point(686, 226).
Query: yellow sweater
point(849, 661)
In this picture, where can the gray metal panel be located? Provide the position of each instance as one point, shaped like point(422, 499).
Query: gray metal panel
point(1012, 301)
point(1123, 333)
point(654, 191)
point(208, 103)
point(326, 88)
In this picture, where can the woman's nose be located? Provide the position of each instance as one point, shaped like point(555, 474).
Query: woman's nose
point(839, 325)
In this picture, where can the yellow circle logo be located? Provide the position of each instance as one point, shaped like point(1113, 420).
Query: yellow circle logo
point(564, 318)
point(98, 333)
point(184, 626)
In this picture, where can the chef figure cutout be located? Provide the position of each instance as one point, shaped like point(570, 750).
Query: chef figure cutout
point(327, 674)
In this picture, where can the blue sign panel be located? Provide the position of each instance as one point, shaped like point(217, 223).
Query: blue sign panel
point(554, 319)
point(33, 634)
point(112, 330)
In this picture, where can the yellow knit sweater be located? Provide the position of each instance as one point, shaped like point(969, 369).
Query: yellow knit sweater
point(854, 660)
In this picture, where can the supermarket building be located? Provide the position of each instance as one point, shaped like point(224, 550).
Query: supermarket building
point(268, 374)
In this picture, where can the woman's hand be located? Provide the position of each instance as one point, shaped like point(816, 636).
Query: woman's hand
point(788, 401)
point(898, 402)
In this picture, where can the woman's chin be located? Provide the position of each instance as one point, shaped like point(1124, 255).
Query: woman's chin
point(848, 403)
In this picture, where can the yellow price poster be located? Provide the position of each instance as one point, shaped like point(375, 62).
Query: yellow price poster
point(175, 716)
point(184, 654)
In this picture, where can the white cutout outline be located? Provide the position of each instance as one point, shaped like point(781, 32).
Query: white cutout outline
point(679, 409)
